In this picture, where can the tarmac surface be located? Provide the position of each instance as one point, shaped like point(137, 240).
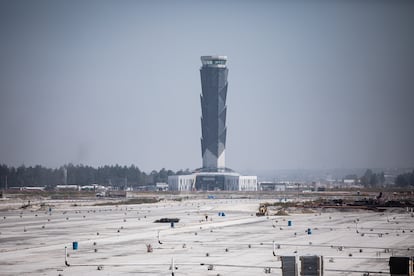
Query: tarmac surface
point(113, 240)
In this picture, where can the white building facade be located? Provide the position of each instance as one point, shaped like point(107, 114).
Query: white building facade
point(181, 182)
point(220, 182)
point(247, 183)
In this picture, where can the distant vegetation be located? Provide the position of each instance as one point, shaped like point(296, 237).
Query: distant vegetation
point(369, 179)
point(122, 176)
point(116, 176)
point(405, 180)
point(129, 201)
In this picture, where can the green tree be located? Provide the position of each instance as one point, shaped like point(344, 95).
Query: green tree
point(381, 178)
point(401, 181)
point(405, 180)
point(366, 178)
point(374, 180)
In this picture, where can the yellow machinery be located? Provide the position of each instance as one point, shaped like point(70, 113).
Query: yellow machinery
point(262, 210)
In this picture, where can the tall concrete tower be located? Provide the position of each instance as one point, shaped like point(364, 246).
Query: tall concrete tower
point(213, 111)
point(214, 175)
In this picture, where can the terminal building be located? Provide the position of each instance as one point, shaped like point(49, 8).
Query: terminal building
point(213, 175)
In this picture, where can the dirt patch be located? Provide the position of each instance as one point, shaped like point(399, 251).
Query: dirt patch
point(130, 201)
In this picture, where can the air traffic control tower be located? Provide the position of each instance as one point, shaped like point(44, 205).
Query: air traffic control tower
point(213, 175)
point(213, 111)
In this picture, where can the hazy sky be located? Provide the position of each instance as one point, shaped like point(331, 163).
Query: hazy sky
point(312, 84)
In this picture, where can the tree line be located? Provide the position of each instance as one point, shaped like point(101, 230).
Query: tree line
point(123, 176)
point(116, 176)
point(405, 180)
point(369, 179)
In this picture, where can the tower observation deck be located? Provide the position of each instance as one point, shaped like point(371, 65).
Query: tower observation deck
point(213, 111)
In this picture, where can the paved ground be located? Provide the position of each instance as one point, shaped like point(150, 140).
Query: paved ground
point(114, 239)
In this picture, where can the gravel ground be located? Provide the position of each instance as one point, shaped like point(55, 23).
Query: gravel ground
point(113, 240)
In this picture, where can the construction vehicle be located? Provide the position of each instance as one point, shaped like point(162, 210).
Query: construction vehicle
point(262, 210)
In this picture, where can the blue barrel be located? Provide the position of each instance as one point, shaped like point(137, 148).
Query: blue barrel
point(172, 224)
point(289, 223)
point(309, 231)
point(75, 245)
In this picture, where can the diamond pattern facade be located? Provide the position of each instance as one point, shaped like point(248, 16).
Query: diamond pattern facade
point(213, 110)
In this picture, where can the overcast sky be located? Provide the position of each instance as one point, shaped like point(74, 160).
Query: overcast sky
point(312, 84)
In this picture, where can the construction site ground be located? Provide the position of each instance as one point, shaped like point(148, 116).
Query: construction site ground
point(214, 236)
